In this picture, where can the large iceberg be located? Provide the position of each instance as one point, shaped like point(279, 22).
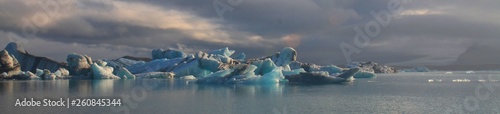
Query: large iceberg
point(82, 66)
point(31, 62)
point(9, 64)
point(79, 65)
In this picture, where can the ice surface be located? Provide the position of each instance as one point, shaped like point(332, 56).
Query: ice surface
point(416, 69)
point(363, 74)
point(294, 72)
point(263, 66)
point(209, 64)
point(31, 62)
point(372, 67)
point(285, 57)
point(160, 75)
point(241, 57)
point(123, 62)
point(39, 72)
point(123, 73)
point(313, 68)
point(323, 78)
point(188, 77)
point(9, 63)
point(243, 74)
point(101, 71)
point(158, 65)
point(79, 65)
point(224, 52)
point(192, 68)
point(168, 54)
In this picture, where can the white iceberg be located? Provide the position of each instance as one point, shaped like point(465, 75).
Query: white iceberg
point(101, 71)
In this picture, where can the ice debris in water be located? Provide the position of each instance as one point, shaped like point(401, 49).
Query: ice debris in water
point(461, 80)
point(434, 80)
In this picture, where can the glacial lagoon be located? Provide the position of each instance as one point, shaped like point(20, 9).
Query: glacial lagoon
point(430, 92)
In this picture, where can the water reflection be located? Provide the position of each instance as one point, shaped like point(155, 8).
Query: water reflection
point(33, 87)
point(243, 90)
point(114, 88)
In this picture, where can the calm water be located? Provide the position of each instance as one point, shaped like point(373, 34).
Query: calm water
point(392, 93)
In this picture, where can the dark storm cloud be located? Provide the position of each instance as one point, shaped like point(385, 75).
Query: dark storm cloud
point(425, 32)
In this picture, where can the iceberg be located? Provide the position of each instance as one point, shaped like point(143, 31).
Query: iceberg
point(416, 69)
point(313, 78)
point(101, 71)
point(372, 67)
point(294, 72)
point(285, 57)
point(160, 75)
point(79, 65)
point(242, 74)
point(241, 57)
point(167, 54)
point(31, 62)
point(158, 65)
point(123, 73)
point(224, 52)
point(9, 64)
point(263, 66)
point(45, 74)
point(363, 74)
point(313, 68)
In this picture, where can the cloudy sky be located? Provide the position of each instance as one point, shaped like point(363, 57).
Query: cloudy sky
point(421, 32)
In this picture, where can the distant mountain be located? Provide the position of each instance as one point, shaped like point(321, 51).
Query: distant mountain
point(479, 55)
point(476, 57)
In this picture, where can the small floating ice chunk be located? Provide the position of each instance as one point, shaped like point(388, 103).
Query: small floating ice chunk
point(189, 77)
point(470, 72)
point(461, 80)
point(435, 80)
point(448, 73)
